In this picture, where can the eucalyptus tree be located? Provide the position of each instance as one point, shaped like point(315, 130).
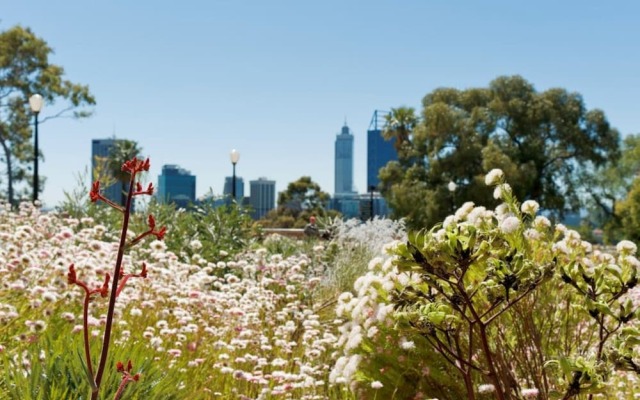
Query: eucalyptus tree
point(25, 70)
point(539, 139)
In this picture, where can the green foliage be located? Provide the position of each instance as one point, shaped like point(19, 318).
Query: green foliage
point(213, 233)
point(302, 199)
point(608, 191)
point(487, 288)
point(25, 70)
point(203, 232)
point(627, 212)
point(538, 138)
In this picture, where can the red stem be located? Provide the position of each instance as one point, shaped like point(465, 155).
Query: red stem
point(114, 289)
point(123, 384)
point(122, 283)
point(85, 316)
point(109, 202)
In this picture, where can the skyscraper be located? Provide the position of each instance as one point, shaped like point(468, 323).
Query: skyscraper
point(228, 183)
point(379, 150)
point(176, 185)
point(344, 163)
point(100, 150)
point(262, 197)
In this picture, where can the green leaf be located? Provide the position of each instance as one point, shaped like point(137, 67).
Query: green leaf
point(92, 381)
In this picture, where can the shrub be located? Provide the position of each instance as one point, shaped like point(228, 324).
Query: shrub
point(514, 307)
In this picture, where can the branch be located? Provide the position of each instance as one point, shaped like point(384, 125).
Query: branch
point(506, 307)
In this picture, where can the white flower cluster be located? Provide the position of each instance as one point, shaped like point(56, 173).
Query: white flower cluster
point(256, 314)
point(494, 177)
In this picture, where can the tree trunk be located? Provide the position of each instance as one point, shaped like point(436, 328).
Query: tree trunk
point(7, 155)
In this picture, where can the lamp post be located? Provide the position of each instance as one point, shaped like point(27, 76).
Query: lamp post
point(452, 188)
point(235, 156)
point(371, 190)
point(35, 102)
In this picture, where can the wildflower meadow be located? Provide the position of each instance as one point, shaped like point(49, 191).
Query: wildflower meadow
point(99, 302)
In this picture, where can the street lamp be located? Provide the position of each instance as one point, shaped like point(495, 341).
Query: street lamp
point(35, 102)
point(235, 156)
point(371, 190)
point(452, 188)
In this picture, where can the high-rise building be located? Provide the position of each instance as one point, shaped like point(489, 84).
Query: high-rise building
point(262, 197)
point(100, 150)
point(373, 205)
point(344, 162)
point(176, 185)
point(228, 184)
point(379, 150)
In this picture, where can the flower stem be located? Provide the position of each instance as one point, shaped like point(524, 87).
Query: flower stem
point(85, 316)
point(123, 385)
point(114, 289)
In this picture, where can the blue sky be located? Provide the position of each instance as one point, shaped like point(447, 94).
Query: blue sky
point(192, 80)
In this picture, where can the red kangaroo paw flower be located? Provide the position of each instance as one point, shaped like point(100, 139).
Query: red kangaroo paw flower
point(150, 189)
point(94, 194)
point(134, 165)
point(104, 290)
point(120, 366)
point(129, 165)
point(129, 366)
point(152, 222)
point(125, 278)
point(160, 234)
point(71, 276)
point(138, 187)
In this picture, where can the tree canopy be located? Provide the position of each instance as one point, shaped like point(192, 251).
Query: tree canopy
point(539, 139)
point(25, 70)
point(302, 199)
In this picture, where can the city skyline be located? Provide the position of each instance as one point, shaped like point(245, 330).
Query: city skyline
point(191, 82)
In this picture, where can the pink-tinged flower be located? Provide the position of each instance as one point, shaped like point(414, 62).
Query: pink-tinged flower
point(509, 225)
point(174, 352)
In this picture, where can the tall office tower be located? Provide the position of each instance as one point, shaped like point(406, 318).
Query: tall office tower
point(100, 150)
point(262, 197)
point(176, 185)
point(228, 183)
point(379, 150)
point(344, 162)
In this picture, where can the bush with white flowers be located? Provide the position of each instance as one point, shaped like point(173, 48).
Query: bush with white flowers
point(507, 301)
